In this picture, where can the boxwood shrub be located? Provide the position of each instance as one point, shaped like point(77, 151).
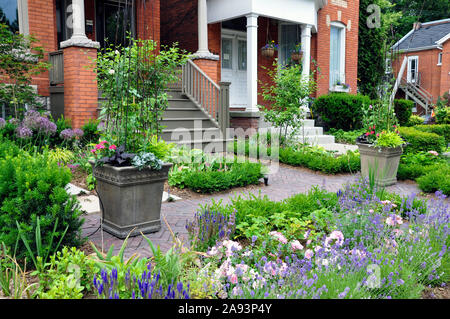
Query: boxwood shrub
point(403, 110)
point(421, 141)
point(341, 110)
point(31, 186)
point(439, 129)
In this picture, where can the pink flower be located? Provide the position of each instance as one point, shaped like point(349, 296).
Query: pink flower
point(309, 253)
point(103, 142)
point(233, 279)
point(394, 220)
point(112, 147)
point(335, 235)
point(398, 232)
point(433, 153)
point(278, 236)
point(295, 245)
point(93, 151)
point(99, 146)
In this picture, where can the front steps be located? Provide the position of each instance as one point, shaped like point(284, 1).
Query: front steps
point(187, 125)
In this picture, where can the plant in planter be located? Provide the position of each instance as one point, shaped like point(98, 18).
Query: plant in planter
point(381, 146)
point(269, 49)
point(128, 165)
point(296, 55)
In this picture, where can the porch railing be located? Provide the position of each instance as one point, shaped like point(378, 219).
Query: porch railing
point(212, 99)
point(56, 71)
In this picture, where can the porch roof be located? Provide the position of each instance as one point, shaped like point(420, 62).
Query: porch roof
point(297, 11)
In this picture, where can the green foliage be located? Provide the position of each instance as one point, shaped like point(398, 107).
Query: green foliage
point(346, 137)
point(147, 160)
point(136, 103)
point(415, 120)
point(389, 139)
point(320, 160)
point(234, 175)
point(286, 88)
point(67, 276)
point(421, 141)
point(439, 129)
point(91, 133)
point(159, 147)
point(403, 110)
point(341, 110)
point(257, 215)
point(18, 63)
point(436, 179)
point(32, 188)
point(61, 155)
point(374, 41)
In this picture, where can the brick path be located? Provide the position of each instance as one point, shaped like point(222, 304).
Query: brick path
point(286, 182)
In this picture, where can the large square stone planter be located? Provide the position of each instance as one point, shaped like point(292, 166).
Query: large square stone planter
point(130, 198)
point(383, 161)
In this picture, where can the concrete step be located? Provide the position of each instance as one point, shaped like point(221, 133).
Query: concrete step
point(308, 123)
point(192, 112)
point(208, 146)
point(310, 131)
point(187, 123)
point(175, 94)
point(181, 103)
point(194, 134)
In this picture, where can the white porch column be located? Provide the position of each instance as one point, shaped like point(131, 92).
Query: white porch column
point(306, 48)
point(203, 49)
point(79, 37)
point(252, 63)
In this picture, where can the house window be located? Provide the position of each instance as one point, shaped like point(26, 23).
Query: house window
point(227, 53)
point(337, 54)
point(290, 36)
point(9, 14)
point(413, 69)
point(440, 58)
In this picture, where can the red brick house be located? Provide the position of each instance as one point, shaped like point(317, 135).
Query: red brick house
point(425, 55)
point(226, 38)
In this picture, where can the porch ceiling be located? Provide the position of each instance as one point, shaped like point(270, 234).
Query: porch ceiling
point(297, 11)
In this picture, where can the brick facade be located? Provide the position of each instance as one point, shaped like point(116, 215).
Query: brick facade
point(445, 68)
point(347, 13)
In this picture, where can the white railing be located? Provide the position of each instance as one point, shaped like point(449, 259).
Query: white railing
point(212, 99)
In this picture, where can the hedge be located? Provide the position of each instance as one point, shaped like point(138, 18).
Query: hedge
point(341, 110)
point(439, 129)
point(421, 141)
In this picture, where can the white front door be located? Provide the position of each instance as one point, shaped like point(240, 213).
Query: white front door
point(234, 66)
point(413, 69)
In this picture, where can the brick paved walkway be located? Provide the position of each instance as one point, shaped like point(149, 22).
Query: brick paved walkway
point(286, 182)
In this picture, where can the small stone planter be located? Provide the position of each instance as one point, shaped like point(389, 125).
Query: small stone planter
point(130, 198)
point(382, 161)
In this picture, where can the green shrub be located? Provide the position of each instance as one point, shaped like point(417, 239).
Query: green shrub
point(403, 110)
point(31, 186)
point(346, 137)
point(341, 110)
point(443, 115)
point(435, 180)
point(439, 129)
point(415, 120)
point(237, 175)
point(90, 132)
point(320, 161)
point(421, 141)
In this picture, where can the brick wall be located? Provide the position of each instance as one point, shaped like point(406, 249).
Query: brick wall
point(445, 69)
point(148, 20)
point(80, 85)
point(346, 12)
point(42, 23)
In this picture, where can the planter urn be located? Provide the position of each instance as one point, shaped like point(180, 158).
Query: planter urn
point(381, 161)
point(130, 199)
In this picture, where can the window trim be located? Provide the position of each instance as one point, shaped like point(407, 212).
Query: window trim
point(343, 29)
point(408, 71)
point(234, 36)
point(440, 58)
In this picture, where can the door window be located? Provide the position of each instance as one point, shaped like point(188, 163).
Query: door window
point(227, 53)
point(242, 55)
point(290, 37)
point(413, 68)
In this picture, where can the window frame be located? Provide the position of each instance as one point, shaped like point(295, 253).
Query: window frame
point(235, 36)
point(281, 57)
point(342, 31)
point(408, 71)
point(440, 58)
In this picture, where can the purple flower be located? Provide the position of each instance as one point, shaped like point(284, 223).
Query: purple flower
point(67, 134)
point(78, 132)
point(24, 132)
point(2, 122)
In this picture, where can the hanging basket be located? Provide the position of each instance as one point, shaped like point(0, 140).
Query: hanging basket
point(296, 56)
point(268, 52)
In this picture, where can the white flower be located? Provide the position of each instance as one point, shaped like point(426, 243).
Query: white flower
point(309, 253)
point(295, 245)
point(111, 71)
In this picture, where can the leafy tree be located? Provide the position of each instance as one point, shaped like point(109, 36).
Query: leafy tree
point(20, 59)
point(375, 20)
